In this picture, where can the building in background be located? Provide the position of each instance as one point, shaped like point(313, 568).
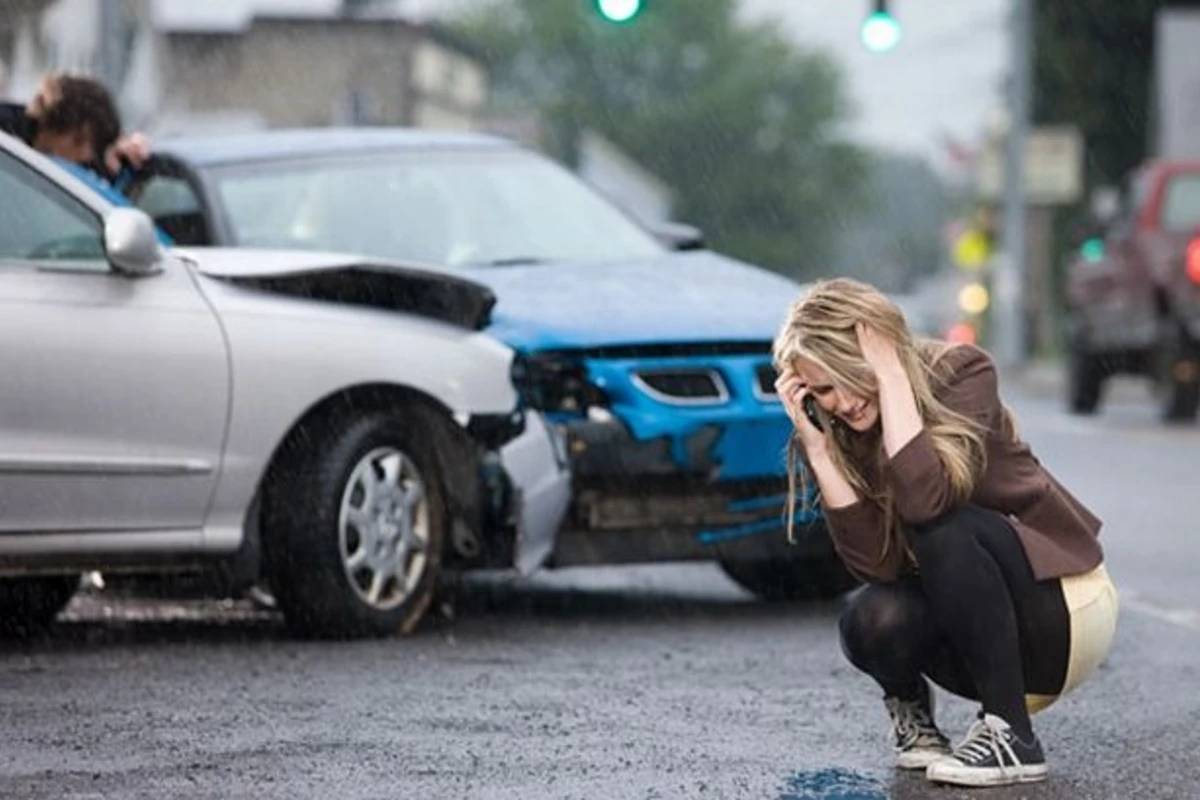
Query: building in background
point(1175, 85)
point(183, 65)
point(218, 66)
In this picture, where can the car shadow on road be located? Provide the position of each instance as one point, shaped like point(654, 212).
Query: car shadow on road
point(503, 599)
point(105, 619)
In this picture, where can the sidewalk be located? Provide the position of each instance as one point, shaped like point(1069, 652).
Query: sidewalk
point(1046, 379)
point(1043, 379)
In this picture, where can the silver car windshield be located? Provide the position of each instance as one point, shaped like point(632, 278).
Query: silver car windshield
point(452, 208)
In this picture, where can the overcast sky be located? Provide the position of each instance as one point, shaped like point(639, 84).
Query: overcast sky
point(944, 76)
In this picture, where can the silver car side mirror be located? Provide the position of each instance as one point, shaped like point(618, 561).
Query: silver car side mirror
point(130, 241)
point(679, 235)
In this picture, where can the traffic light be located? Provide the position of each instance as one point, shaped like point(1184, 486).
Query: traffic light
point(1092, 250)
point(880, 31)
point(619, 10)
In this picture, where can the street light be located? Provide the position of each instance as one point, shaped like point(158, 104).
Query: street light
point(880, 31)
point(619, 10)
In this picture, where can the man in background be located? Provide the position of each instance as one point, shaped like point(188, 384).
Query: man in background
point(74, 118)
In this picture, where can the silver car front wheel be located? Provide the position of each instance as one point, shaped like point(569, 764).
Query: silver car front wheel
point(383, 528)
point(354, 523)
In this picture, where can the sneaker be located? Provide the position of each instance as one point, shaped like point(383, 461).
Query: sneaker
point(991, 755)
point(918, 741)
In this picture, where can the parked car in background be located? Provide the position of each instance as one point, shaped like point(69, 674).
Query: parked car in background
point(649, 352)
point(167, 411)
point(1133, 295)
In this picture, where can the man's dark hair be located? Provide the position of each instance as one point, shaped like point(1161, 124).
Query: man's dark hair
point(67, 103)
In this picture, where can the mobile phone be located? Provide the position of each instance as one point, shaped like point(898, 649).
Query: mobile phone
point(810, 410)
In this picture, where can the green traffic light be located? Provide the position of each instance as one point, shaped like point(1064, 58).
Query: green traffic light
point(1092, 250)
point(880, 32)
point(619, 10)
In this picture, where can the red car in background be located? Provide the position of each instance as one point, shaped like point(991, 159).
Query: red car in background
point(1133, 294)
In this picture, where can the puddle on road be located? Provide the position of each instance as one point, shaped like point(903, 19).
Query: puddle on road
point(833, 784)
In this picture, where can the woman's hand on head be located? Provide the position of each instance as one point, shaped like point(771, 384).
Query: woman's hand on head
point(792, 390)
point(879, 353)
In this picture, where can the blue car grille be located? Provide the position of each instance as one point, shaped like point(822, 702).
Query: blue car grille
point(764, 381)
point(682, 386)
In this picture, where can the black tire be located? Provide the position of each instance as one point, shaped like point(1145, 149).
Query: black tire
point(1085, 380)
point(1085, 369)
point(28, 606)
point(808, 579)
point(302, 535)
point(1177, 373)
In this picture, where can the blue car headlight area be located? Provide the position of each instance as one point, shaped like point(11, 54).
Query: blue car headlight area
point(555, 384)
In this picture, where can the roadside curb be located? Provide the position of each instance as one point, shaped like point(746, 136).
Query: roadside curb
point(1042, 379)
point(1048, 380)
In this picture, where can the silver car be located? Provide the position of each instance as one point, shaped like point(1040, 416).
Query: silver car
point(341, 418)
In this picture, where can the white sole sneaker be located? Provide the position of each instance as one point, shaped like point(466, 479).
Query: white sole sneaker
point(948, 770)
point(919, 759)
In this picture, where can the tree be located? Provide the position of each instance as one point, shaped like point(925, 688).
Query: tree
point(742, 125)
point(899, 241)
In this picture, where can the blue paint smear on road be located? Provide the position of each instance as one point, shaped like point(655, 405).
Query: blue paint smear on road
point(832, 784)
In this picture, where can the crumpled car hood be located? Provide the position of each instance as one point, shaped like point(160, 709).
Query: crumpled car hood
point(356, 280)
point(678, 298)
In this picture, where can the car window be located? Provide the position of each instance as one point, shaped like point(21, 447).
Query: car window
point(455, 208)
point(167, 194)
point(174, 205)
point(41, 223)
point(1181, 203)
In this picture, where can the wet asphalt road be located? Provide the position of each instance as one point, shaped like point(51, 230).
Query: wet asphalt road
point(663, 682)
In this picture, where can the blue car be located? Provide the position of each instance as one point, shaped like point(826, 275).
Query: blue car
point(647, 351)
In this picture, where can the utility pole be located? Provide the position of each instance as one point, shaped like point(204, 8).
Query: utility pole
point(1010, 276)
point(110, 43)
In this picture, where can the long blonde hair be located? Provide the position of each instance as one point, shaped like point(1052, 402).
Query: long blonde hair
point(821, 328)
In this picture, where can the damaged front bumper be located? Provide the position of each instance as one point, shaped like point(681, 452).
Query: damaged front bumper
point(536, 465)
point(665, 499)
point(677, 452)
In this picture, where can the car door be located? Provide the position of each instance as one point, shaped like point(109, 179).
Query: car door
point(167, 190)
point(113, 389)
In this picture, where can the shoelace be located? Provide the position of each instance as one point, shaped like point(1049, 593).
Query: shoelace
point(910, 722)
point(984, 739)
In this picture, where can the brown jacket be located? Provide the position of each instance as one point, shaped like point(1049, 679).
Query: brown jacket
point(1058, 533)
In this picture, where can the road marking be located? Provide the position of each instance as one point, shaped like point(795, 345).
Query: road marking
point(1176, 615)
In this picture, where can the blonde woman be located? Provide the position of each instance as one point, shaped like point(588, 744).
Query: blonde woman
point(983, 573)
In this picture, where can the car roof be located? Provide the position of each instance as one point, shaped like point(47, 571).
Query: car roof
point(269, 145)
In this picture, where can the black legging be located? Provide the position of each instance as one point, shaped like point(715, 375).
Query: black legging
point(974, 619)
